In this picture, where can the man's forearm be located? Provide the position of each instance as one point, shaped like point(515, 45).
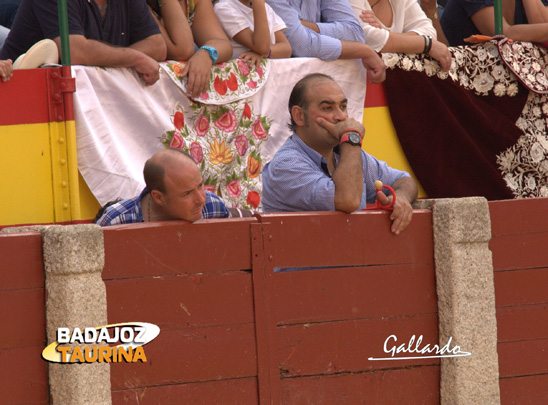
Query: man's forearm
point(406, 186)
point(355, 50)
point(348, 179)
point(94, 53)
point(153, 46)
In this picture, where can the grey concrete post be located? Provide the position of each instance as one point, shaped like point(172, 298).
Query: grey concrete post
point(466, 300)
point(76, 297)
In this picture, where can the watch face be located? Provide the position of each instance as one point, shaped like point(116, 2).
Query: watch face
point(354, 139)
point(213, 54)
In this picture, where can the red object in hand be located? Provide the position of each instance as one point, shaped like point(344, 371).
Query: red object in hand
point(378, 206)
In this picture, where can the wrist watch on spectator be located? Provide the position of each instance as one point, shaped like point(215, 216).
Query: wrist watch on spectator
point(353, 138)
point(213, 54)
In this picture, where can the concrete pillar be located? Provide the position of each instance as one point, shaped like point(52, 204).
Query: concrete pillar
point(75, 297)
point(466, 300)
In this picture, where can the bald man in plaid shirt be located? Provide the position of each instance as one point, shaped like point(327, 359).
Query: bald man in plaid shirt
point(174, 190)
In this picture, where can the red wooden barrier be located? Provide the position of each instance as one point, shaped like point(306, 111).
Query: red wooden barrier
point(23, 373)
point(194, 281)
point(233, 330)
point(520, 259)
point(328, 321)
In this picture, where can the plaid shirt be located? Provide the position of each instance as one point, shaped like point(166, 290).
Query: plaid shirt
point(129, 211)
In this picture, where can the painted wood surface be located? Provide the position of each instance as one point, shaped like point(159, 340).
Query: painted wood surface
point(520, 258)
point(23, 373)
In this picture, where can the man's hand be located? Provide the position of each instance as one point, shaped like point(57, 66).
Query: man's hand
point(406, 192)
point(148, 69)
point(336, 129)
point(368, 16)
point(6, 70)
point(375, 67)
point(198, 70)
point(402, 211)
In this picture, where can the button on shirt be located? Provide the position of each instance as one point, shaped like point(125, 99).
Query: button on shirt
point(295, 181)
point(334, 18)
point(129, 211)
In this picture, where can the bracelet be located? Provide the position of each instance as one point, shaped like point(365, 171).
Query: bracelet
point(269, 53)
point(348, 130)
point(427, 44)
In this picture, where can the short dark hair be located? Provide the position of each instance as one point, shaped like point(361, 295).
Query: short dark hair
point(154, 170)
point(298, 94)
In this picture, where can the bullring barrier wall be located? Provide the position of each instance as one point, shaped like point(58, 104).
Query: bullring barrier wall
point(236, 329)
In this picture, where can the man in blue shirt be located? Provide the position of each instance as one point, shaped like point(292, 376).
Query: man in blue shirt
point(329, 30)
point(174, 190)
point(110, 33)
point(322, 166)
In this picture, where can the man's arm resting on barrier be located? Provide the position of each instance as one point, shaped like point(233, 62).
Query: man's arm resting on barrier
point(370, 59)
point(94, 53)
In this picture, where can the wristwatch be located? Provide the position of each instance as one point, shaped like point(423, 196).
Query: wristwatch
point(353, 138)
point(213, 54)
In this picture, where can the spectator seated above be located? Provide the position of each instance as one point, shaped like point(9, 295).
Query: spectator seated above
point(125, 36)
point(523, 20)
point(255, 30)
point(327, 30)
point(184, 24)
point(400, 26)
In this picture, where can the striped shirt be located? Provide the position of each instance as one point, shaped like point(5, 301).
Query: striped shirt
point(335, 19)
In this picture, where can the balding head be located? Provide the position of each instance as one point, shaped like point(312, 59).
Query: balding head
point(161, 162)
point(175, 185)
point(299, 94)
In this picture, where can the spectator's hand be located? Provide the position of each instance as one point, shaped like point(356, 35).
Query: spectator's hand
point(369, 17)
point(402, 213)
point(6, 70)
point(148, 68)
point(375, 67)
point(336, 128)
point(252, 57)
point(441, 53)
point(198, 69)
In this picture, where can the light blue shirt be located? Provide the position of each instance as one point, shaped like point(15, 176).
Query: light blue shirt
point(334, 18)
point(295, 181)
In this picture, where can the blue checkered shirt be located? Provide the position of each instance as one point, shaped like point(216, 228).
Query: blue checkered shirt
point(295, 180)
point(334, 18)
point(129, 211)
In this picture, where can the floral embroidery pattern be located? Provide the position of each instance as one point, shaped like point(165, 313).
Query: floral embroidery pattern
point(225, 143)
point(525, 165)
point(229, 81)
point(480, 69)
point(528, 62)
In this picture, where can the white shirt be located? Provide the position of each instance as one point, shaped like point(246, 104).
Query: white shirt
point(407, 17)
point(236, 17)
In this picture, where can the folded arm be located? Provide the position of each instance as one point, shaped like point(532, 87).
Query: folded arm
point(139, 56)
point(536, 11)
point(484, 22)
point(305, 40)
point(175, 30)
